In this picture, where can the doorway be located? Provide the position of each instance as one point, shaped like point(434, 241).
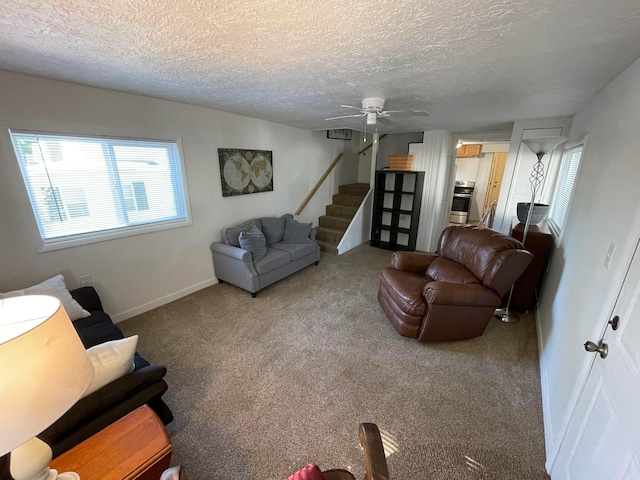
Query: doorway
point(495, 179)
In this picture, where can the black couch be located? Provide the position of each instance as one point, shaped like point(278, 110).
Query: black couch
point(145, 385)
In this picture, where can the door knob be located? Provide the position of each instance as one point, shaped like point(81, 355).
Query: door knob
point(602, 348)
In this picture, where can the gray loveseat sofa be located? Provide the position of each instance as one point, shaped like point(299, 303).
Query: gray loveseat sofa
point(235, 265)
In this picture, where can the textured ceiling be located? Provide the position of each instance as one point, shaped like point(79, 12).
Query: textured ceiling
point(473, 64)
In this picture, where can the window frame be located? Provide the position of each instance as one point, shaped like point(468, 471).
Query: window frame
point(558, 230)
point(46, 245)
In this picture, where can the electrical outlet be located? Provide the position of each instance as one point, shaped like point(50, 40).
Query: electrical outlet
point(86, 280)
point(609, 255)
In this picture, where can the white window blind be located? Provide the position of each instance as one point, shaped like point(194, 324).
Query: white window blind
point(83, 187)
point(564, 187)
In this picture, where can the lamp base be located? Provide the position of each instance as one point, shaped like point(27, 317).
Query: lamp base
point(506, 315)
point(30, 461)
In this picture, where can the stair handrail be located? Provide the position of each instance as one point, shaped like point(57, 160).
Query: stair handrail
point(326, 174)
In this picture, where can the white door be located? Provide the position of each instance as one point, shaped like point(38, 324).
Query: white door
point(603, 438)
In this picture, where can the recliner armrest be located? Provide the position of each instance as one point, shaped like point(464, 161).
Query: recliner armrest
point(416, 262)
point(460, 294)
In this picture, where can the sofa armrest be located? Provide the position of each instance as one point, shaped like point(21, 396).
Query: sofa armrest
point(103, 399)
point(236, 253)
point(460, 294)
point(312, 235)
point(88, 298)
point(416, 262)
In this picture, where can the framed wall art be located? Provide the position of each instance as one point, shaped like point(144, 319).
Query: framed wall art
point(340, 134)
point(245, 171)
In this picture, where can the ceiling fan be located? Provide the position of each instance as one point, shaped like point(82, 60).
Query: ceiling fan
point(372, 109)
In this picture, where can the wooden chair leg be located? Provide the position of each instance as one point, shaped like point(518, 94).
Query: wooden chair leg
point(375, 461)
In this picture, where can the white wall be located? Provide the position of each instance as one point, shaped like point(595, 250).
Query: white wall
point(579, 291)
point(395, 143)
point(134, 274)
point(467, 169)
point(435, 157)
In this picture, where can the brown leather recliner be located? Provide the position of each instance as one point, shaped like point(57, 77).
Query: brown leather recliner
point(452, 294)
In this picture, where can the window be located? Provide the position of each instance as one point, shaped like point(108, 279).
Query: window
point(564, 187)
point(85, 189)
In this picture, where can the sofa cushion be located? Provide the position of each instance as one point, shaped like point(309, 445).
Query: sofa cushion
point(255, 242)
point(296, 250)
point(54, 287)
point(230, 235)
point(98, 328)
point(296, 232)
point(111, 360)
point(273, 259)
point(445, 270)
point(273, 228)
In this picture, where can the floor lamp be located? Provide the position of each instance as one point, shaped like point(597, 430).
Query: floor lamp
point(540, 147)
point(44, 371)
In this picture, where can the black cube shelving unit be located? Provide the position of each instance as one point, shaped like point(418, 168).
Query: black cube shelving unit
point(396, 209)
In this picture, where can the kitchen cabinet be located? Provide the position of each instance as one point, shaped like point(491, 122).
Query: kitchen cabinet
point(397, 198)
point(469, 150)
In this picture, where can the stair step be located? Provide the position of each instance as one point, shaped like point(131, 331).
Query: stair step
point(327, 247)
point(347, 200)
point(357, 189)
point(335, 223)
point(328, 235)
point(341, 211)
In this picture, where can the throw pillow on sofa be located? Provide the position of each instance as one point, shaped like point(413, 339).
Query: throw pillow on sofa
point(54, 287)
point(111, 360)
point(296, 232)
point(273, 228)
point(230, 235)
point(255, 242)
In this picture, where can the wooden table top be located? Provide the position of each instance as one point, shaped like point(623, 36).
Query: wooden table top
point(123, 450)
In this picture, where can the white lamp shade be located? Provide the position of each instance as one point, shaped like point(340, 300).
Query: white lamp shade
point(543, 145)
point(44, 368)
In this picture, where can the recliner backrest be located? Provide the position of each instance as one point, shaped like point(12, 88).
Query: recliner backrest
point(484, 252)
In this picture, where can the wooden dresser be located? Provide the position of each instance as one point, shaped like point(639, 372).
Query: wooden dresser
point(540, 243)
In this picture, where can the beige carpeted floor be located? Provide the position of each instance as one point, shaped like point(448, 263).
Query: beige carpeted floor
point(261, 387)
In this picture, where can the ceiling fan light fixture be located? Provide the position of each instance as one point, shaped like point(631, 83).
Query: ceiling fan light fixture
point(371, 118)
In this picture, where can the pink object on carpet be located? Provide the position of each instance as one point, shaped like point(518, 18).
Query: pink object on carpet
point(310, 472)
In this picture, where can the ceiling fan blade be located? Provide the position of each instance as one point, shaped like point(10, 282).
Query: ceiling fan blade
point(349, 106)
point(346, 116)
point(385, 121)
point(408, 113)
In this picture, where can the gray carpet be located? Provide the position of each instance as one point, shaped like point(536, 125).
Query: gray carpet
point(261, 387)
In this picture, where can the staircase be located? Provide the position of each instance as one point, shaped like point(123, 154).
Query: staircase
point(331, 227)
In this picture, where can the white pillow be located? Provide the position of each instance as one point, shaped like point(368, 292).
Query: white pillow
point(111, 360)
point(56, 288)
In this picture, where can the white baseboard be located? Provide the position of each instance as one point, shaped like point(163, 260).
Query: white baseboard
point(120, 317)
point(544, 386)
